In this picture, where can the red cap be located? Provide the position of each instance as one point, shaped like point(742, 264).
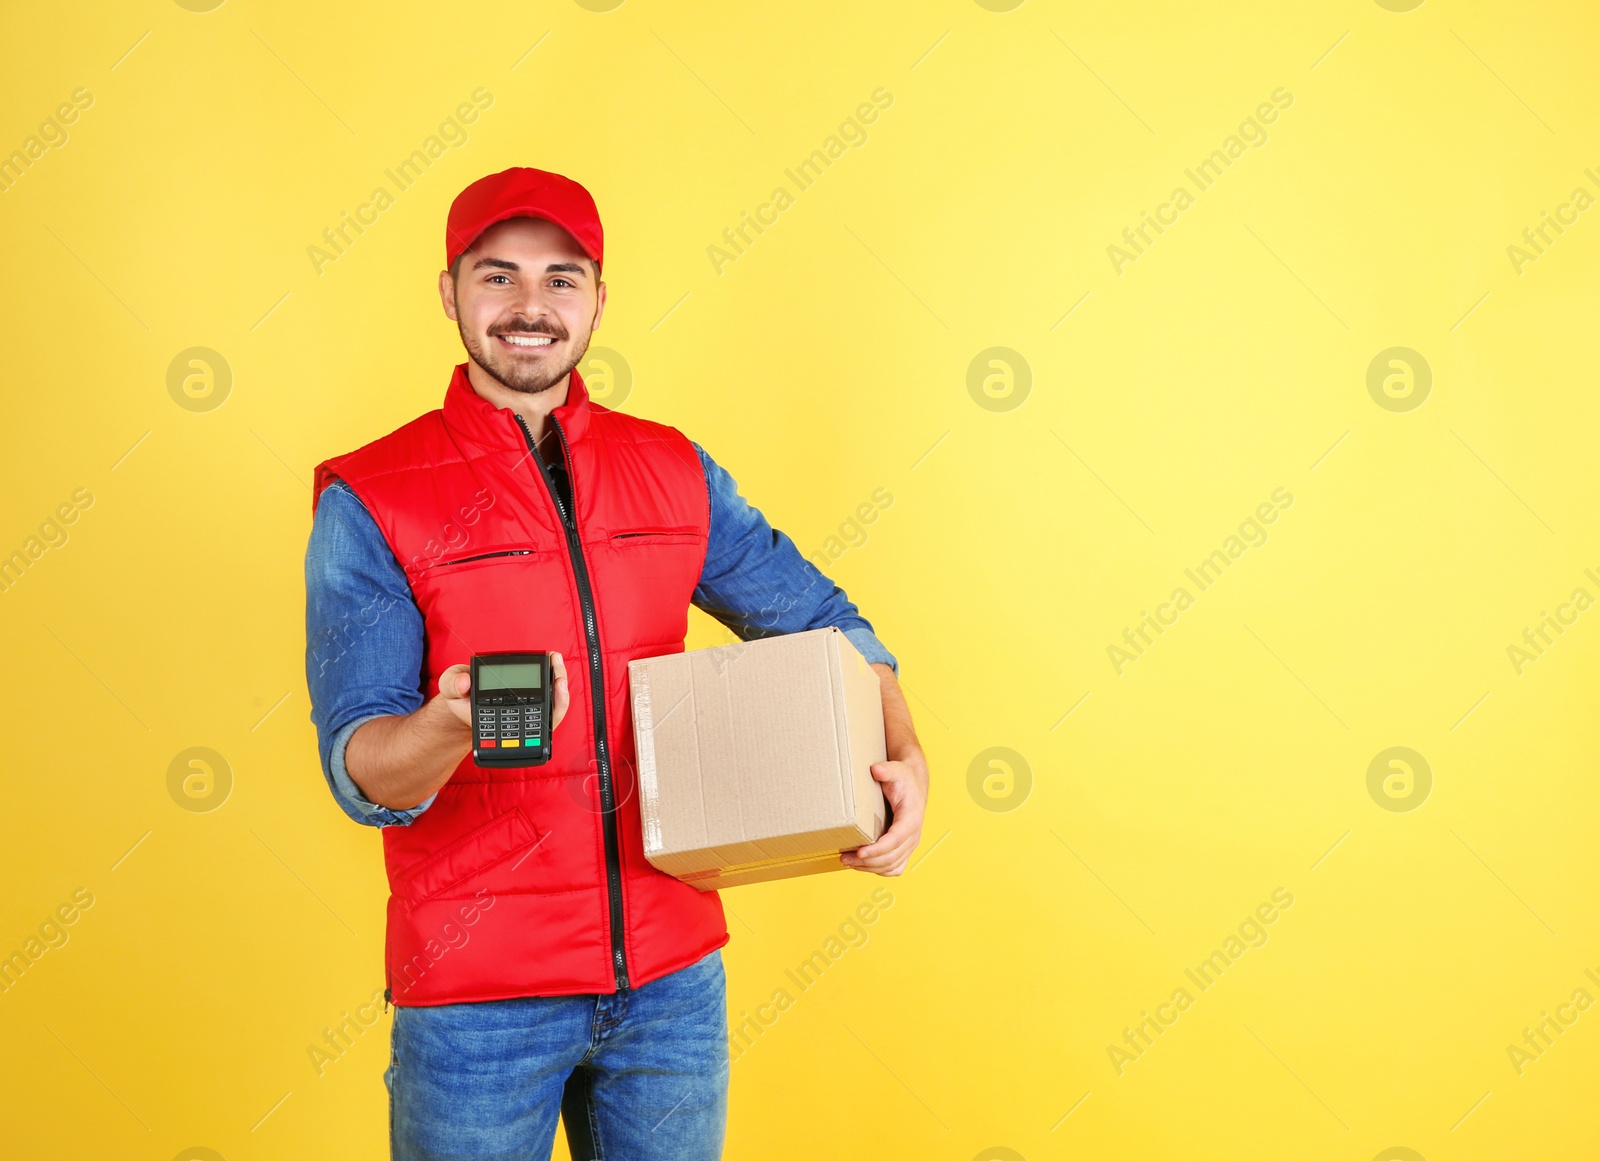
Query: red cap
point(521, 192)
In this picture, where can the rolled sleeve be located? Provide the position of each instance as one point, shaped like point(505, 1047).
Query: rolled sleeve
point(364, 642)
point(867, 643)
point(356, 804)
point(756, 583)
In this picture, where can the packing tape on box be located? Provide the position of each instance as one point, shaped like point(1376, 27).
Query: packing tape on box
point(644, 734)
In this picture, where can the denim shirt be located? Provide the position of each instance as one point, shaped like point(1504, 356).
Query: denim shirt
point(365, 636)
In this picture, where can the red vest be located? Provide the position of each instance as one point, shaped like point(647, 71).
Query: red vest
point(533, 881)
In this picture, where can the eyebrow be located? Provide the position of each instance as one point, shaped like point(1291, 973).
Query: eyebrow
point(553, 268)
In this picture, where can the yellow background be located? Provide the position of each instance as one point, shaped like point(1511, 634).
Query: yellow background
point(832, 359)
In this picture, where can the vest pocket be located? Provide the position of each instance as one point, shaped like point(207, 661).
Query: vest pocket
point(482, 556)
point(473, 561)
point(675, 534)
point(471, 855)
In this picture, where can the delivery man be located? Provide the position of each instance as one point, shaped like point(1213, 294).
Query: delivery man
point(536, 961)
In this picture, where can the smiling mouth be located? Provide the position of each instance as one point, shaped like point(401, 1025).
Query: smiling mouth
point(526, 342)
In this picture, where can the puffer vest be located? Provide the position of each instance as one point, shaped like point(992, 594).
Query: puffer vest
point(533, 881)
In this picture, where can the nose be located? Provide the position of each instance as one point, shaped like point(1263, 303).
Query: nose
point(528, 312)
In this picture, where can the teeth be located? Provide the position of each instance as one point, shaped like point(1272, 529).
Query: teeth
point(528, 340)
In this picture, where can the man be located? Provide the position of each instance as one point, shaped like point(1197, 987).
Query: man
point(536, 961)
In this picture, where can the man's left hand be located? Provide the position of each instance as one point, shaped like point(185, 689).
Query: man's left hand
point(905, 787)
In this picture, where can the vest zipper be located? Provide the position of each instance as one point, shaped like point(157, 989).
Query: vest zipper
point(483, 556)
point(608, 809)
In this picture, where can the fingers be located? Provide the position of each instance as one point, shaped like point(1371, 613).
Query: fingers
point(455, 682)
point(562, 696)
point(879, 855)
point(890, 771)
point(896, 775)
point(901, 831)
point(890, 852)
point(890, 863)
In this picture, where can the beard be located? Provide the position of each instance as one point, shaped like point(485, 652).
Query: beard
point(517, 372)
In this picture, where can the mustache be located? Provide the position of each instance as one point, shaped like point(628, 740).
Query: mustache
point(529, 329)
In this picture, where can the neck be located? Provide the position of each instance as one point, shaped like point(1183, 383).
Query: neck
point(533, 408)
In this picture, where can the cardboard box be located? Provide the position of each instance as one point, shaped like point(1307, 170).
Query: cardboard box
point(754, 758)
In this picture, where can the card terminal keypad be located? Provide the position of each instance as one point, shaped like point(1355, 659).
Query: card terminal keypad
point(509, 721)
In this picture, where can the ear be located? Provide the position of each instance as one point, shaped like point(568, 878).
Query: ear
point(599, 306)
point(447, 296)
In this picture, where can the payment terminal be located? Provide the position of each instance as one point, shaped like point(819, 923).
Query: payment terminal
point(511, 709)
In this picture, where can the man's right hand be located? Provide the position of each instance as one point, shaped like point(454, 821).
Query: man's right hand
point(401, 761)
point(455, 686)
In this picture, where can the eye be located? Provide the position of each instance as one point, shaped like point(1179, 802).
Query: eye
point(492, 277)
point(562, 280)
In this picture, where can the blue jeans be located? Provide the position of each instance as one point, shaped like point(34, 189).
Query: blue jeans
point(640, 1075)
